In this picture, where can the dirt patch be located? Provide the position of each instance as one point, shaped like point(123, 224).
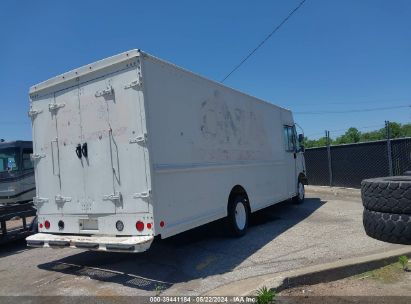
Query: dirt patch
point(387, 281)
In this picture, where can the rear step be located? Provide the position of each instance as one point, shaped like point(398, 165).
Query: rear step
point(102, 243)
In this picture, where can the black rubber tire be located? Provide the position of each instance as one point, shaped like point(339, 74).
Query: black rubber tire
point(296, 199)
point(231, 223)
point(388, 227)
point(387, 194)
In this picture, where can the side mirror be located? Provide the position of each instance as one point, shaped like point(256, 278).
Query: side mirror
point(301, 142)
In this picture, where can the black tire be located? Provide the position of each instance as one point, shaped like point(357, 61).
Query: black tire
point(232, 226)
point(388, 227)
point(387, 194)
point(298, 199)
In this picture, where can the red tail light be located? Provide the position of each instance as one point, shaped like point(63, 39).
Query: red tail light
point(47, 224)
point(40, 225)
point(148, 225)
point(140, 226)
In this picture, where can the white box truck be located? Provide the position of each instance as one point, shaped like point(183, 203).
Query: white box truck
point(132, 147)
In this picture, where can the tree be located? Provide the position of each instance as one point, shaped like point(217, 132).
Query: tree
point(406, 130)
point(395, 129)
point(314, 143)
point(353, 135)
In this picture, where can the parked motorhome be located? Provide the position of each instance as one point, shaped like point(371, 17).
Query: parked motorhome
point(132, 147)
point(16, 172)
point(17, 189)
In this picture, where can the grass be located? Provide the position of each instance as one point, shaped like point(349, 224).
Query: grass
point(403, 260)
point(265, 295)
point(391, 273)
point(159, 289)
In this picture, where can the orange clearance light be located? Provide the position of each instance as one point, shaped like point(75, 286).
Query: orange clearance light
point(140, 226)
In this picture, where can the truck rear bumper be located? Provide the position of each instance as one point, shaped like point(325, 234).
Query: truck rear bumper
point(101, 243)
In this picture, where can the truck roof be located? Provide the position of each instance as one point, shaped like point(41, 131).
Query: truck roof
point(86, 69)
point(109, 61)
point(16, 143)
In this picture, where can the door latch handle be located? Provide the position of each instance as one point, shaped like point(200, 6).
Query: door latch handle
point(84, 150)
point(295, 155)
point(78, 151)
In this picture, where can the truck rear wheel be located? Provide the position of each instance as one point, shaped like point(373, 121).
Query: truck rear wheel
point(238, 216)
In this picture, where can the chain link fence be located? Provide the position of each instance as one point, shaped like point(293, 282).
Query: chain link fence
point(347, 165)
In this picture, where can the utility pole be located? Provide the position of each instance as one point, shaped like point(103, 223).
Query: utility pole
point(389, 154)
point(330, 172)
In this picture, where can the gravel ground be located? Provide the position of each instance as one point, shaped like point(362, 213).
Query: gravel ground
point(325, 228)
point(389, 282)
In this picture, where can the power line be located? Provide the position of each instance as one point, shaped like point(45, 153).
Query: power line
point(351, 111)
point(265, 40)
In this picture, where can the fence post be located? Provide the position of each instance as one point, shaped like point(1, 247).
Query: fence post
point(330, 172)
point(389, 154)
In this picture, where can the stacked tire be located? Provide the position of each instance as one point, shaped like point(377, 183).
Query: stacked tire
point(387, 208)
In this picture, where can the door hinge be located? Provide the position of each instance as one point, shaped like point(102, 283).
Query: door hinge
point(138, 139)
point(33, 113)
point(108, 91)
point(116, 196)
point(36, 156)
point(39, 200)
point(56, 106)
point(133, 84)
point(62, 199)
point(143, 195)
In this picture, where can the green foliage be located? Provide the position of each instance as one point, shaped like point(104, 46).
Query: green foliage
point(403, 260)
point(159, 289)
point(265, 295)
point(353, 135)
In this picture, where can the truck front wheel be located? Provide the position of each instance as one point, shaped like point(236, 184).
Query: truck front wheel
point(299, 198)
point(238, 216)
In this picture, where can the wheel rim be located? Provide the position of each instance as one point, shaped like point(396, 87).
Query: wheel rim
point(240, 216)
point(301, 192)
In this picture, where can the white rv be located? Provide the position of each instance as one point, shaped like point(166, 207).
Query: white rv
point(16, 172)
point(132, 147)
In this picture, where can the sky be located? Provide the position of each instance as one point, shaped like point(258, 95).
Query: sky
point(331, 55)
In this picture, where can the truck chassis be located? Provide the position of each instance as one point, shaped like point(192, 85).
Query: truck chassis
point(10, 212)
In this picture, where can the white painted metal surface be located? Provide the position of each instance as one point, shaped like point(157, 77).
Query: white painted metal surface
point(164, 146)
point(240, 216)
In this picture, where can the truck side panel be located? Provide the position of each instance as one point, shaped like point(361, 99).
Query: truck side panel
point(204, 140)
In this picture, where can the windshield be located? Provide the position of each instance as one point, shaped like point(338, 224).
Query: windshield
point(9, 159)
